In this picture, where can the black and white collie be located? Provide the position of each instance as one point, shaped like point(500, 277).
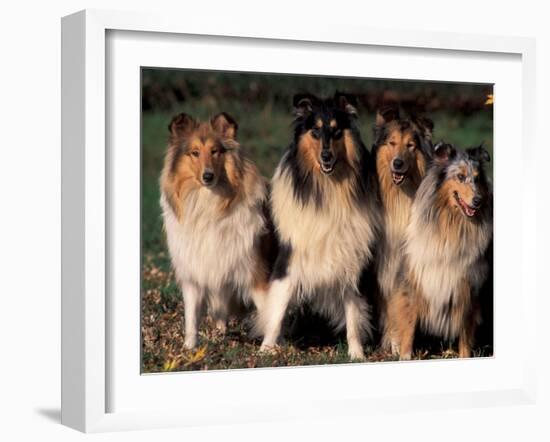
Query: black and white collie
point(325, 219)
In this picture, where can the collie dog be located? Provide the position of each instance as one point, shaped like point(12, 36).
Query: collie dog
point(325, 221)
point(444, 264)
point(402, 151)
point(213, 203)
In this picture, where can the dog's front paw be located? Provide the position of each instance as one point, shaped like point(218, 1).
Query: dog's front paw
point(221, 326)
point(190, 342)
point(394, 347)
point(268, 348)
point(356, 353)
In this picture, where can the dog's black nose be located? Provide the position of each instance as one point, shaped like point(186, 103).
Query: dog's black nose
point(398, 163)
point(208, 177)
point(326, 155)
point(476, 202)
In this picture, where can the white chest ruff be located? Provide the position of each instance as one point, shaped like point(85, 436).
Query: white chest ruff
point(330, 244)
point(440, 268)
point(440, 271)
point(210, 249)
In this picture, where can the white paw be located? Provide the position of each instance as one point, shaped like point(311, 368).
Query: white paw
point(405, 357)
point(221, 326)
point(268, 348)
point(190, 342)
point(394, 348)
point(356, 353)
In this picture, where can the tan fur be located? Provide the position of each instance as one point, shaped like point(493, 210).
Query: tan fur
point(396, 203)
point(186, 177)
point(309, 148)
point(408, 308)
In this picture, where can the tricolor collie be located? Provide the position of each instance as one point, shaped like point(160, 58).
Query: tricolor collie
point(444, 266)
point(213, 204)
point(324, 219)
point(402, 151)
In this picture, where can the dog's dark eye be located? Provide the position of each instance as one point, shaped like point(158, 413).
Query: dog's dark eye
point(393, 143)
point(214, 151)
point(461, 178)
point(337, 134)
point(195, 153)
point(410, 146)
point(315, 133)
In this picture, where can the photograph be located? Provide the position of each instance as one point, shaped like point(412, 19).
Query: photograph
point(301, 220)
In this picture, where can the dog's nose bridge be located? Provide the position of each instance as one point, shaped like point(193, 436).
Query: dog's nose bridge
point(325, 141)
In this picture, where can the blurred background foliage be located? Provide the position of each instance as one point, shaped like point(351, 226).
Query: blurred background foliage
point(261, 104)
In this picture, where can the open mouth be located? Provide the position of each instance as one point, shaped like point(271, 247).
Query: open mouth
point(327, 168)
point(466, 209)
point(397, 178)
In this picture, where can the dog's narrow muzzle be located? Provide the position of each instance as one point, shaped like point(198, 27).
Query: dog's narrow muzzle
point(398, 165)
point(326, 156)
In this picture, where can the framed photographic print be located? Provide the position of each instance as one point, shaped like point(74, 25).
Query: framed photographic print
point(252, 213)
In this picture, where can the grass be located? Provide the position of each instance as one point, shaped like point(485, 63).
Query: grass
point(264, 133)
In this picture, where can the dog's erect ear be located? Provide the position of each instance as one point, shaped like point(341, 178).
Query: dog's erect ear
point(224, 125)
point(479, 153)
point(181, 125)
point(346, 102)
point(425, 124)
point(386, 114)
point(444, 152)
point(303, 104)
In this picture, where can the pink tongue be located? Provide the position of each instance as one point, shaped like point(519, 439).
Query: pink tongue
point(469, 211)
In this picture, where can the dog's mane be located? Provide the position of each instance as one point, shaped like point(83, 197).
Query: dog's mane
point(239, 174)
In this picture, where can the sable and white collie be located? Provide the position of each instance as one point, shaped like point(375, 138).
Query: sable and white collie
point(325, 221)
point(213, 202)
point(444, 263)
point(402, 150)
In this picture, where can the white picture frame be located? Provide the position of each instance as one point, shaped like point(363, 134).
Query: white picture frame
point(87, 316)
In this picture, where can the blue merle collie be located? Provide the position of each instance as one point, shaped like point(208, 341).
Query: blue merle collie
point(325, 220)
point(444, 264)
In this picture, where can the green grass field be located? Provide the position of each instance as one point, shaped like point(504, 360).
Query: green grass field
point(264, 133)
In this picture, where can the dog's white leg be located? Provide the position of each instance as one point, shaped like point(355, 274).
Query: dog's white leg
point(259, 297)
point(192, 303)
point(219, 307)
point(394, 347)
point(271, 317)
point(354, 326)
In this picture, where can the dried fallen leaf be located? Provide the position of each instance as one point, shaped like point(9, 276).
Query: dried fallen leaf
point(170, 364)
point(196, 356)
